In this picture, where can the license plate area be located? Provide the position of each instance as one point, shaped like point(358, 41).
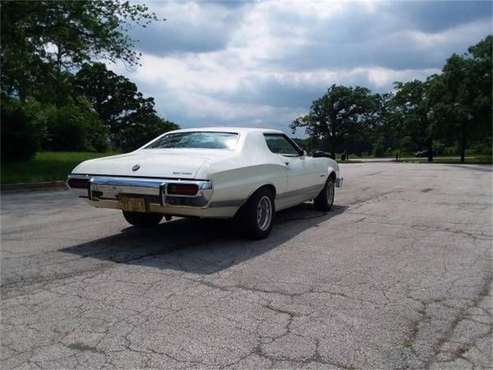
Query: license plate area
point(133, 204)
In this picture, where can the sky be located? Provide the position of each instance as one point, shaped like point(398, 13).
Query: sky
point(262, 63)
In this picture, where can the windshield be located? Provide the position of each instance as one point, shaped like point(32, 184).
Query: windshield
point(198, 140)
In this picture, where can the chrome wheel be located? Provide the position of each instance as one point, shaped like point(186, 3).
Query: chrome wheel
point(264, 213)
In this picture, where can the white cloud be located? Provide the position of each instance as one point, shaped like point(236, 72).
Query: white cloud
point(262, 63)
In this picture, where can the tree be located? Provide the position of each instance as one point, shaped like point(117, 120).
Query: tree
point(142, 127)
point(19, 134)
point(72, 126)
point(338, 115)
point(120, 105)
point(113, 96)
point(464, 87)
point(385, 130)
point(43, 39)
point(413, 112)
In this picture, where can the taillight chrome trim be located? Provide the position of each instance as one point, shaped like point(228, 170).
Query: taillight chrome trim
point(203, 195)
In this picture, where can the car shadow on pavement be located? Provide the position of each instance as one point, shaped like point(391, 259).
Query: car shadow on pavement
point(199, 246)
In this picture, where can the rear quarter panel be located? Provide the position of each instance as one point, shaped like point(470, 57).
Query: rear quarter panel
point(236, 185)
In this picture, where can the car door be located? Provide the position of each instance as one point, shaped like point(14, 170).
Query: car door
point(293, 158)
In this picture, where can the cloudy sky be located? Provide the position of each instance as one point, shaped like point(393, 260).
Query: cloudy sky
point(261, 63)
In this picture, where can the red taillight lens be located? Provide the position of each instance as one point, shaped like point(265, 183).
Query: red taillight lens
point(78, 183)
point(182, 189)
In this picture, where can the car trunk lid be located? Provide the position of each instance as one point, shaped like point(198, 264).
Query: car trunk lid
point(165, 163)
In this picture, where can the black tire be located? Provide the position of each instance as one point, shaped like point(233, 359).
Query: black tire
point(142, 219)
point(255, 226)
point(325, 199)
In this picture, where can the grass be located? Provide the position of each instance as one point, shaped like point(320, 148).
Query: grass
point(45, 166)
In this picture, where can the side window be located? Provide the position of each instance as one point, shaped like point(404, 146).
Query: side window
point(280, 144)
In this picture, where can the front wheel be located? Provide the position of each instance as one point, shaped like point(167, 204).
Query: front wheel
point(325, 200)
point(257, 214)
point(142, 219)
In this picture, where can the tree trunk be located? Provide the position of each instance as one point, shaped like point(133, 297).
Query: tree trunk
point(430, 150)
point(333, 147)
point(22, 94)
point(333, 135)
point(24, 87)
point(59, 92)
point(463, 143)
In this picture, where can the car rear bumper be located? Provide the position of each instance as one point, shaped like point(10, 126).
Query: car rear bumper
point(109, 191)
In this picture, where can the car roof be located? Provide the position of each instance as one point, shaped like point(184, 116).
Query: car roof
point(230, 129)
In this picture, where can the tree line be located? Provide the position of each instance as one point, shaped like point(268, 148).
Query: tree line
point(448, 113)
point(56, 94)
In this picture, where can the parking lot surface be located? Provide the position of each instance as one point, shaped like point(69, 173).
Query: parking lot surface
point(398, 275)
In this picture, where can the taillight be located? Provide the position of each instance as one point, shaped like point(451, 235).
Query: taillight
point(78, 183)
point(182, 189)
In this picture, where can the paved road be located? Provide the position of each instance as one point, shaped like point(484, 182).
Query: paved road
point(398, 275)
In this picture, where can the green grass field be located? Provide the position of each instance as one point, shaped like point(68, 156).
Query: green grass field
point(46, 166)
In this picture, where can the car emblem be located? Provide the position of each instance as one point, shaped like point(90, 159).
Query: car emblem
point(136, 167)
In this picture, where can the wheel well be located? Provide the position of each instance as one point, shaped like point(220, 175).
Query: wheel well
point(267, 186)
point(270, 187)
point(332, 176)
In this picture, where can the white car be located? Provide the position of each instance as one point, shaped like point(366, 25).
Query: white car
point(220, 172)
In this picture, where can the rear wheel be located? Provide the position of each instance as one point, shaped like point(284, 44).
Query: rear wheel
point(325, 200)
point(142, 219)
point(257, 214)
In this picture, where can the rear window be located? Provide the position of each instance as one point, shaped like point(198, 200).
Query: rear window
point(196, 140)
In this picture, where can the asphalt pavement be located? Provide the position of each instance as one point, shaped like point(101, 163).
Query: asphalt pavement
point(398, 275)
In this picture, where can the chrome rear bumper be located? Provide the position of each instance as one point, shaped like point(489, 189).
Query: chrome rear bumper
point(154, 191)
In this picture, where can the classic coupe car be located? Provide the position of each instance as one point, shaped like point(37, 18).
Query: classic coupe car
point(219, 172)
